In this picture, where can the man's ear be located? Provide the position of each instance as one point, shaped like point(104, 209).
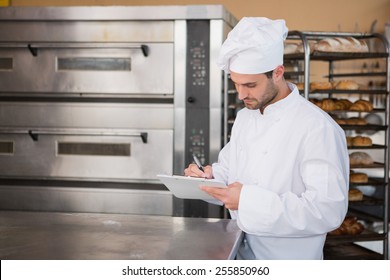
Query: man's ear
point(278, 72)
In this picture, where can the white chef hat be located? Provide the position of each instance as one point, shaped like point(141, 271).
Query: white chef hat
point(255, 45)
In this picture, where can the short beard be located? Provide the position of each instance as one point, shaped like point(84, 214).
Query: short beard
point(271, 92)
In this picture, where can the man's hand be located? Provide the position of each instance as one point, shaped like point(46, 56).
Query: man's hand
point(193, 171)
point(229, 196)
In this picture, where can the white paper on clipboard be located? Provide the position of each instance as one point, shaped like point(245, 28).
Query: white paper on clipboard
point(188, 187)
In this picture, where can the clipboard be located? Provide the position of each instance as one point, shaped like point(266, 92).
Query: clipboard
point(188, 187)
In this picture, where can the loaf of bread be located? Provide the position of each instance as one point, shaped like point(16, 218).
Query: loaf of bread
point(341, 44)
point(328, 105)
point(358, 177)
point(352, 121)
point(346, 85)
point(360, 158)
point(320, 86)
point(355, 195)
point(350, 226)
point(361, 141)
point(343, 104)
point(354, 229)
point(362, 105)
point(358, 107)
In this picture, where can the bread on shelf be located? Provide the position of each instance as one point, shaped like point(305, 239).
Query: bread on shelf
point(330, 104)
point(361, 141)
point(358, 177)
point(360, 158)
point(355, 195)
point(352, 121)
point(320, 86)
point(350, 226)
point(341, 44)
point(343, 104)
point(346, 85)
point(362, 106)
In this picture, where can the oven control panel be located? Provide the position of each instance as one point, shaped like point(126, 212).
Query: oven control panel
point(197, 111)
point(197, 91)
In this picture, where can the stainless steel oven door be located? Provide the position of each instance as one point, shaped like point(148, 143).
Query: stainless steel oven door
point(86, 154)
point(81, 69)
point(86, 141)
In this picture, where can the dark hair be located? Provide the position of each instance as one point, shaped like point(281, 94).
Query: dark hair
point(269, 74)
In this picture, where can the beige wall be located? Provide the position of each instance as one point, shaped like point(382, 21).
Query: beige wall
point(314, 15)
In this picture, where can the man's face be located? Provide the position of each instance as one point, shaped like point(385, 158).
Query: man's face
point(255, 90)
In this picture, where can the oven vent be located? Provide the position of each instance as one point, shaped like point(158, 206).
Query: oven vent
point(94, 149)
point(6, 63)
point(6, 147)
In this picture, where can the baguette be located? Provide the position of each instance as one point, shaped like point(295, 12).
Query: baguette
point(341, 44)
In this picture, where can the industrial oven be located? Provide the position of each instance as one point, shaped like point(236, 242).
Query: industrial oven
point(95, 101)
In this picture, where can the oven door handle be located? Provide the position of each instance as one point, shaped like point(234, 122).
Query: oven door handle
point(35, 133)
point(33, 48)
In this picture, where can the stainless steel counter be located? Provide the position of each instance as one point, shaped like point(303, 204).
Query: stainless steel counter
point(77, 236)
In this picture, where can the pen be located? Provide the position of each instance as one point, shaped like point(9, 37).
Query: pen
point(197, 161)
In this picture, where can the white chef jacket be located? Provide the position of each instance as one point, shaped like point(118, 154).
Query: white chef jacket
point(294, 166)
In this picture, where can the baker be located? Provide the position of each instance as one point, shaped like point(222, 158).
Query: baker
point(286, 165)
